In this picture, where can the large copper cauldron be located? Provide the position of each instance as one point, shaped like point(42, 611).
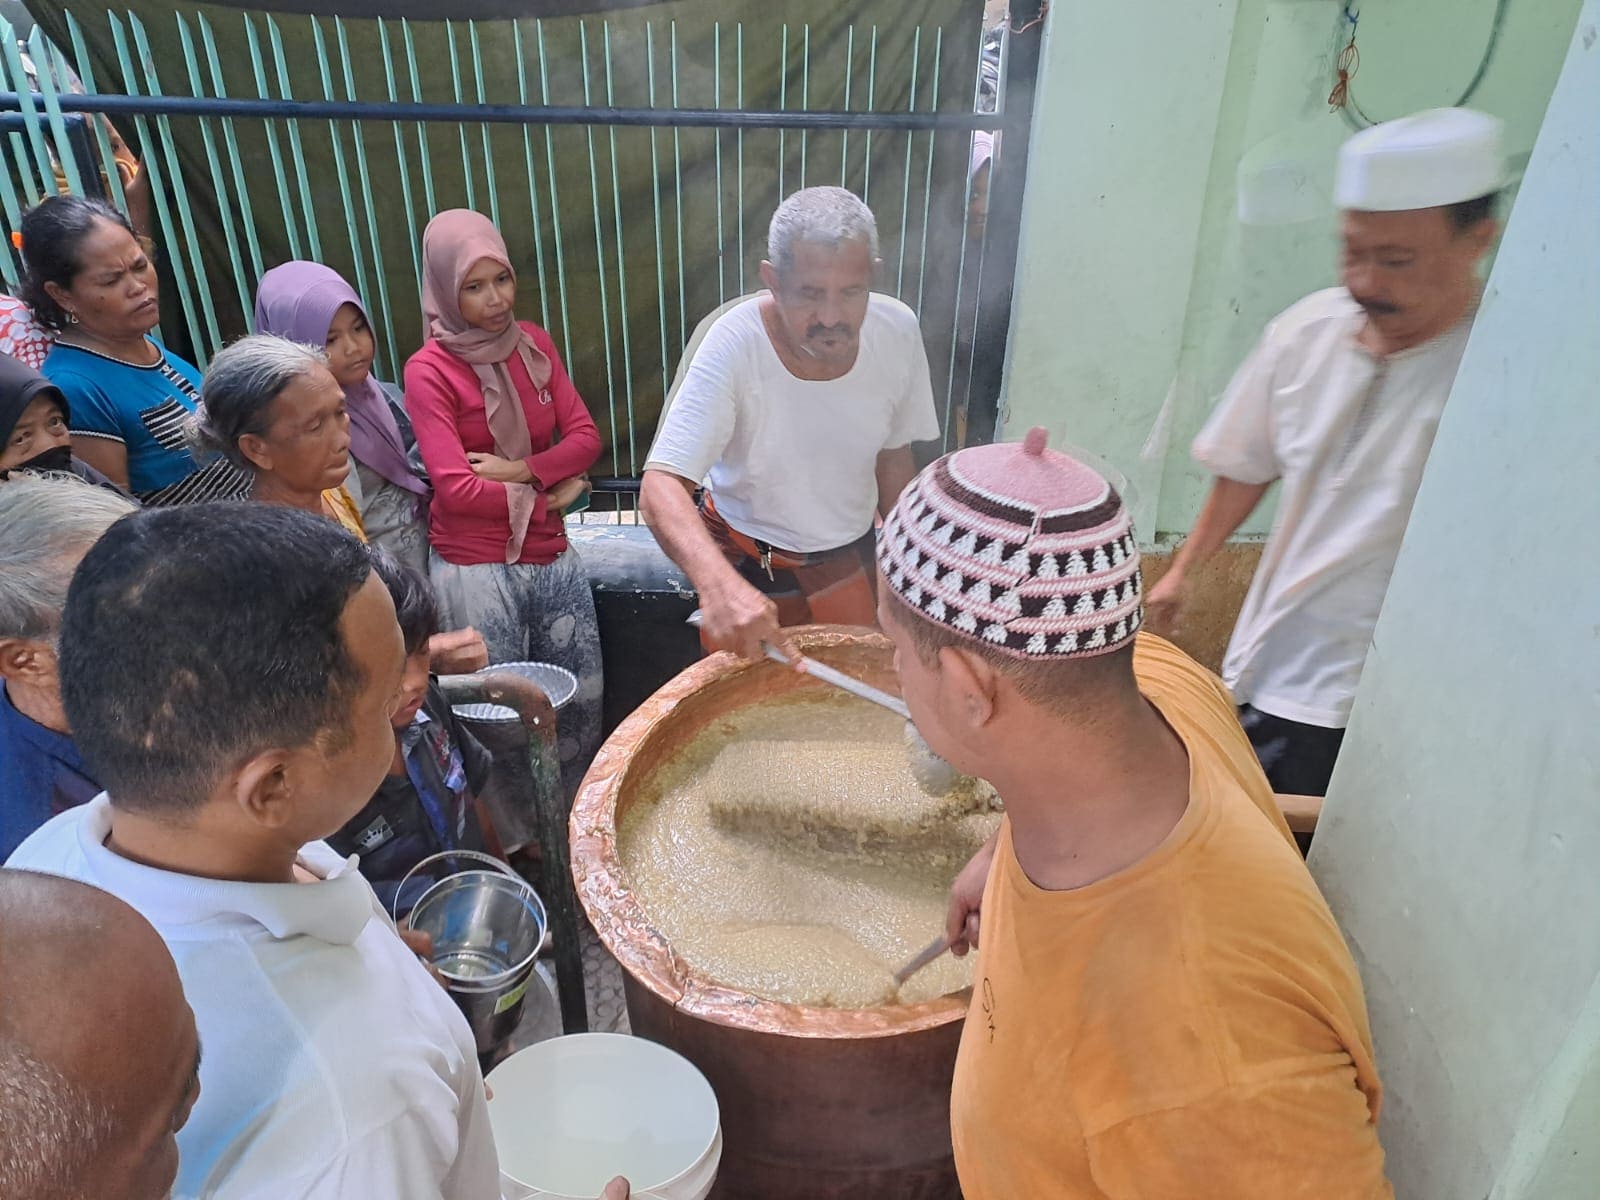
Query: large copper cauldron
point(815, 1102)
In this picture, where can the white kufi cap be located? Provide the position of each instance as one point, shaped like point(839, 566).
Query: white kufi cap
point(1442, 156)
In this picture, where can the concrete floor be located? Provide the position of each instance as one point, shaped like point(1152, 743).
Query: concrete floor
point(602, 981)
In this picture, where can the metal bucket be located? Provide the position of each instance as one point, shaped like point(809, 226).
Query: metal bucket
point(487, 925)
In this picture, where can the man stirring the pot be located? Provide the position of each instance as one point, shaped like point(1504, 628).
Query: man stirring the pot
point(1339, 401)
point(798, 411)
point(1158, 975)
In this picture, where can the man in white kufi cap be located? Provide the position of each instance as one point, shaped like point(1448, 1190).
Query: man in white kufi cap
point(1339, 401)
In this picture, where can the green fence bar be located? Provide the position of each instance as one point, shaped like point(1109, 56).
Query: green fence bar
point(226, 204)
point(291, 227)
point(722, 241)
point(102, 138)
point(158, 191)
point(805, 99)
point(872, 93)
point(555, 199)
point(599, 238)
point(12, 203)
point(286, 92)
point(461, 128)
point(739, 100)
point(369, 206)
point(622, 259)
point(40, 51)
point(905, 193)
point(407, 199)
point(783, 104)
point(677, 177)
point(927, 179)
point(236, 160)
point(180, 191)
point(12, 54)
point(424, 155)
point(655, 188)
point(483, 128)
point(533, 186)
point(357, 258)
point(849, 73)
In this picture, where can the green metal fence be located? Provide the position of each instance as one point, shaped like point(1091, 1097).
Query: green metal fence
point(632, 164)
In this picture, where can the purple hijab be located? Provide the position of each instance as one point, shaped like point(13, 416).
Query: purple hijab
point(298, 301)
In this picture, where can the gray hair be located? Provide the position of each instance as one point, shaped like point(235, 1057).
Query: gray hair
point(826, 216)
point(54, 1131)
point(46, 525)
point(238, 390)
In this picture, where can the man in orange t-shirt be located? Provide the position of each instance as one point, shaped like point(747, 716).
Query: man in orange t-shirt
point(1165, 1008)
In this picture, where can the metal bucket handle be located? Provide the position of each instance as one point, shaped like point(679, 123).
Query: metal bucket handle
point(476, 856)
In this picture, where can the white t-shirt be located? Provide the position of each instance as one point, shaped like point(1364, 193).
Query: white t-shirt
point(332, 1065)
point(1349, 434)
point(792, 462)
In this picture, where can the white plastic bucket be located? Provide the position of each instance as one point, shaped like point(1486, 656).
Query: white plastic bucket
point(572, 1113)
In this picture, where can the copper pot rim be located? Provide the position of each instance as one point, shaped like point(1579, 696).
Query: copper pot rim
point(624, 927)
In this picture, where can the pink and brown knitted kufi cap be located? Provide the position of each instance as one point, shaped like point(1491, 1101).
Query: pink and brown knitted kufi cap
point(1018, 546)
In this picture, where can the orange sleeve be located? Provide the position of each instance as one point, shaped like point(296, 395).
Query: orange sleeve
point(1307, 1137)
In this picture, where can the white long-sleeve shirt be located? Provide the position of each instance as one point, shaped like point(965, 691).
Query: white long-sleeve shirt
point(332, 1065)
point(1348, 434)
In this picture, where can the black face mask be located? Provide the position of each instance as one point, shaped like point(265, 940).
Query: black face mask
point(57, 458)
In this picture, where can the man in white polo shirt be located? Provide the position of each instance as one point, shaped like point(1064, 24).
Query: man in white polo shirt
point(1339, 401)
point(798, 412)
point(229, 670)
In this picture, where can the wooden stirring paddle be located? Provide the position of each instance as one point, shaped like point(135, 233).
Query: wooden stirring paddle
point(925, 956)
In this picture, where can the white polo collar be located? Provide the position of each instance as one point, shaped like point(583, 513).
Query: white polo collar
point(335, 910)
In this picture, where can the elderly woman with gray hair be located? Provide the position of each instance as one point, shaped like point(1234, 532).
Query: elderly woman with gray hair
point(47, 524)
point(273, 408)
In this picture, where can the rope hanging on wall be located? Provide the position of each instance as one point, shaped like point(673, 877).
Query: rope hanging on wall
point(1342, 100)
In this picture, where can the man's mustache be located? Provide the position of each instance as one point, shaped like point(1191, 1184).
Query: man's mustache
point(817, 331)
point(1377, 308)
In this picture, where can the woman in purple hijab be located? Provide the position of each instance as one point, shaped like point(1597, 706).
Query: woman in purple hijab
point(310, 303)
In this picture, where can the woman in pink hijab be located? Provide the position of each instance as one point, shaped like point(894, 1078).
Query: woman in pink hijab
point(506, 440)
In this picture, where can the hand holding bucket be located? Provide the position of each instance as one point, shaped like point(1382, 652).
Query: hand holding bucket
point(486, 924)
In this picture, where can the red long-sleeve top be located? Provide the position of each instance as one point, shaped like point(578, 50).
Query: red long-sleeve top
point(469, 520)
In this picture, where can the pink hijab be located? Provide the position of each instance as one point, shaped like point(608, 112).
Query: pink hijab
point(454, 242)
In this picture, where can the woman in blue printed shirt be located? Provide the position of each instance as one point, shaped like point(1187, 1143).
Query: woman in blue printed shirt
point(91, 282)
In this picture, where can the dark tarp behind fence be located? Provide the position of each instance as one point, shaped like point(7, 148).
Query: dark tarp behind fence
point(623, 237)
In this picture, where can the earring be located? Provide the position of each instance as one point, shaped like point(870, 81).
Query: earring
point(72, 318)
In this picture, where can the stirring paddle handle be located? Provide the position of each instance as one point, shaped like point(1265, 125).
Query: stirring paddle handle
point(932, 951)
point(840, 680)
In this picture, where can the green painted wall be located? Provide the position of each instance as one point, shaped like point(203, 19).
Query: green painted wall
point(1138, 288)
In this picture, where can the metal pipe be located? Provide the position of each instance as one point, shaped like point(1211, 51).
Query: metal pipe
point(540, 720)
point(504, 114)
point(1003, 228)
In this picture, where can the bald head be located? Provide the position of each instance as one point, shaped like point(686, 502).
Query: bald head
point(98, 1051)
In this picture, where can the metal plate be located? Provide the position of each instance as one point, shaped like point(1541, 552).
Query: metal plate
point(558, 683)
